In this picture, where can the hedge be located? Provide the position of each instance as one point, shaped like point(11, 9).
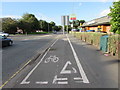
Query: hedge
point(89, 37)
point(114, 45)
point(94, 39)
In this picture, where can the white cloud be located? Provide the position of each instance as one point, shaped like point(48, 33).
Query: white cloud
point(47, 18)
point(38, 16)
point(104, 0)
point(12, 16)
point(43, 17)
point(104, 12)
point(57, 0)
point(80, 4)
point(116, 0)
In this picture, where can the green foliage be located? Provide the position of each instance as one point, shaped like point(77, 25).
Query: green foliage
point(30, 22)
point(115, 14)
point(113, 44)
point(52, 23)
point(57, 28)
point(76, 23)
point(82, 21)
point(94, 39)
point(9, 25)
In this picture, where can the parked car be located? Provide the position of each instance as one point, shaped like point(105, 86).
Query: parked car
point(54, 32)
point(77, 30)
point(4, 41)
point(90, 30)
point(4, 34)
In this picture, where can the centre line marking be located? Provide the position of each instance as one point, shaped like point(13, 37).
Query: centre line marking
point(84, 77)
point(27, 82)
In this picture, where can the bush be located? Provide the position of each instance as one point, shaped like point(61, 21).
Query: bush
point(89, 37)
point(94, 39)
point(114, 45)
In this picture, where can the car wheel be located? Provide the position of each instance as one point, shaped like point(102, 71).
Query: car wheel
point(10, 43)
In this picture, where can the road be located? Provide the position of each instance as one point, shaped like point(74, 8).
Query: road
point(23, 49)
point(69, 63)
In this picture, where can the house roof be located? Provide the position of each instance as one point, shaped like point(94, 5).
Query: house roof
point(98, 21)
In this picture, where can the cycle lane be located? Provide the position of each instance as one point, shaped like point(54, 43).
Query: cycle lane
point(57, 69)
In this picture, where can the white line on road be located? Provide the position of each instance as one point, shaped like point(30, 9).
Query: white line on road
point(62, 82)
point(42, 82)
point(77, 78)
point(27, 82)
point(56, 79)
point(84, 77)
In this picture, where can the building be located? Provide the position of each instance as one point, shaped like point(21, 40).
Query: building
point(99, 25)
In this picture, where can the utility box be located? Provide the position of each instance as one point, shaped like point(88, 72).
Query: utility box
point(104, 43)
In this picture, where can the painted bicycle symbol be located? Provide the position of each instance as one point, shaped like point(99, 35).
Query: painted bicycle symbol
point(52, 58)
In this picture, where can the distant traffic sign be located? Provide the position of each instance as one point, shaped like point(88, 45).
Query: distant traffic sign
point(73, 17)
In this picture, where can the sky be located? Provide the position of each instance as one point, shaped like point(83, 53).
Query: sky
point(52, 11)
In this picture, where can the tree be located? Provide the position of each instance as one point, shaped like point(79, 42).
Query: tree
point(0, 24)
point(30, 22)
point(115, 14)
point(9, 25)
point(77, 23)
point(52, 23)
point(82, 21)
point(59, 28)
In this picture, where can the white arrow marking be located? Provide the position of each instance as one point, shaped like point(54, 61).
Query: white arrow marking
point(74, 70)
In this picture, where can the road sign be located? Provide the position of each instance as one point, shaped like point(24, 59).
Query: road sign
point(65, 20)
point(73, 17)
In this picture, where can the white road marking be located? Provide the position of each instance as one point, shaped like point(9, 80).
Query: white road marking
point(74, 70)
point(64, 71)
point(27, 82)
point(41, 82)
point(78, 78)
point(62, 82)
point(52, 58)
point(84, 77)
point(56, 79)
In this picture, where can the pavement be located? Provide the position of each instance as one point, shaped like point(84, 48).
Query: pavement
point(69, 63)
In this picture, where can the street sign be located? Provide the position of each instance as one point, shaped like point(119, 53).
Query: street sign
point(65, 20)
point(73, 17)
